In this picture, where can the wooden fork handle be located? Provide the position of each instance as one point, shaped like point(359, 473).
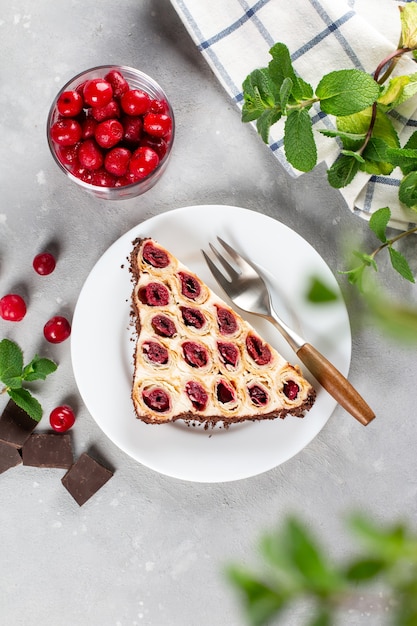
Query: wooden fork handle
point(335, 383)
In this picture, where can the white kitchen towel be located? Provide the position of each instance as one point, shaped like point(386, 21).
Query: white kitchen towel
point(322, 35)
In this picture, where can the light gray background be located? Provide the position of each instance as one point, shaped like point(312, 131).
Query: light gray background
point(148, 549)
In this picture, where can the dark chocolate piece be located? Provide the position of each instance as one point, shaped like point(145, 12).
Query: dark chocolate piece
point(85, 478)
point(9, 457)
point(15, 425)
point(48, 450)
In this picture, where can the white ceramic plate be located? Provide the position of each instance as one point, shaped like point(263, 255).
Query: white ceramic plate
point(102, 344)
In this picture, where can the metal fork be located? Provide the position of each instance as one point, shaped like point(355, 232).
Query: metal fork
point(248, 290)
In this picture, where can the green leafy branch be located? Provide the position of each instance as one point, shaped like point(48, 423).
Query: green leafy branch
point(378, 224)
point(361, 105)
point(296, 567)
point(13, 373)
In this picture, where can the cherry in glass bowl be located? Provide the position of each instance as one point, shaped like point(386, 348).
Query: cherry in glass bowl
point(110, 129)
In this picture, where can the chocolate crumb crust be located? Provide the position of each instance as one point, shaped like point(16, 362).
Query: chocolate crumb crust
point(210, 421)
point(135, 273)
point(297, 408)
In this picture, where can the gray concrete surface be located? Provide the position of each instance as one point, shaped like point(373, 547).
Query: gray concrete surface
point(149, 549)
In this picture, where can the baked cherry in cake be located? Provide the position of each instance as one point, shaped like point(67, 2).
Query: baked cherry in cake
point(196, 359)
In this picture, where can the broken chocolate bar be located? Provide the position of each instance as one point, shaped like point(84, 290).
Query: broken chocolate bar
point(85, 478)
point(48, 450)
point(9, 457)
point(15, 425)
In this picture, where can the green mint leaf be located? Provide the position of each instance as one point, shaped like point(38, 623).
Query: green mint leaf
point(398, 321)
point(399, 90)
point(319, 293)
point(265, 121)
point(412, 142)
point(300, 147)
point(12, 382)
point(376, 150)
point(262, 602)
point(407, 192)
point(376, 157)
point(353, 154)
point(11, 359)
point(360, 122)
point(355, 276)
point(308, 559)
point(379, 221)
point(345, 92)
point(39, 368)
point(24, 399)
point(281, 68)
point(365, 569)
point(285, 92)
point(367, 259)
point(259, 93)
point(383, 137)
point(405, 158)
point(400, 264)
point(350, 141)
point(388, 542)
point(408, 14)
point(343, 171)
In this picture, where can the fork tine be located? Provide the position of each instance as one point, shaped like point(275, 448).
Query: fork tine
point(241, 262)
point(229, 269)
point(221, 279)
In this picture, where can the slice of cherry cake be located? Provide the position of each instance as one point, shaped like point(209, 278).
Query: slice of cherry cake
point(195, 357)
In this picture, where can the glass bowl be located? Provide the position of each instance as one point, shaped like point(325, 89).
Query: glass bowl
point(98, 181)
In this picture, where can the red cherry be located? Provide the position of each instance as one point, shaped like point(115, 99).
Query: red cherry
point(66, 132)
point(122, 181)
point(57, 329)
point(102, 178)
point(135, 102)
point(195, 354)
point(88, 127)
point(108, 133)
point(90, 155)
point(291, 389)
point(132, 129)
point(97, 92)
point(118, 83)
point(70, 103)
point(117, 160)
point(12, 307)
point(156, 399)
point(106, 112)
point(258, 350)
point(159, 144)
point(157, 124)
point(144, 160)
point(62, 418)
point(82, 173)
point(197, 395)
point(44, 263)
point(159, 106)
point(68, 155)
